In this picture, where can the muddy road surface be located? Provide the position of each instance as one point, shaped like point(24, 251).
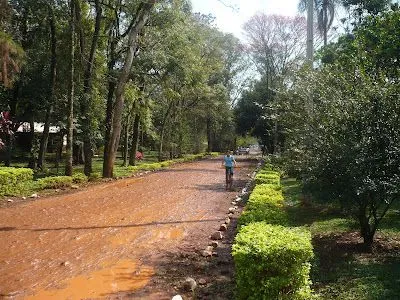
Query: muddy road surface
point(106, 241)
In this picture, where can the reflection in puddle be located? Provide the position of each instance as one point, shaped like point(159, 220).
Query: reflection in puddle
point(125, 276)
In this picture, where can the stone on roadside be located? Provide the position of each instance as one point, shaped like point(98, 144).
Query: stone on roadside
point(23, 198)
point(232, 209)
point(10, 200)
point(177, 297)
point(227, 221)
point(202, 281)
point(223, 227)
point(190, 284)
point(214, 244)
point(34, 196)
point(206, 253)
point(209, 248)
point(217, 235)
point(75, 187)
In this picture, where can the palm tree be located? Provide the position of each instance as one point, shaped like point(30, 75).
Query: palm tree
point(325, 10)
point(11, 58)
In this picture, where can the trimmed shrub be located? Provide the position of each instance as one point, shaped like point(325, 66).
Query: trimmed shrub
point(270, 177)
point(79, 178)
point(265, 204)
point(55, 182)
point(12, 180)
point(272, 262)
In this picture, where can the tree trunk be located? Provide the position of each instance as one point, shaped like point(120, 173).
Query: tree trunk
point(110, 97)
point(53, 73)
point(126, 142)
point(209, 135)
point(163, 125)
point(135, 140)
point(71, 90)
point(32, 158)
point(87, 94)
point(367, 230)
point(59, 149)
point(325, 21)
point(142, 16)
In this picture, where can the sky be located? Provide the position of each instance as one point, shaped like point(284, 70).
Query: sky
point(231, 16)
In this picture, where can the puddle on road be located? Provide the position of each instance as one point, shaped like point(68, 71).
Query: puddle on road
point(176, 233)
point(125, 276)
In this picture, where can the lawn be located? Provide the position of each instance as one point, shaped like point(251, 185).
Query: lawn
point(341, 270)
point(51, 170)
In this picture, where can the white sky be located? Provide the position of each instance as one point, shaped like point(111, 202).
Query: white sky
point(231, 17)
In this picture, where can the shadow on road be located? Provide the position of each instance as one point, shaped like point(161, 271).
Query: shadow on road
point(110, 226)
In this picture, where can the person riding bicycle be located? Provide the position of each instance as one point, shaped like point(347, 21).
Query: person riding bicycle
point(229, 161)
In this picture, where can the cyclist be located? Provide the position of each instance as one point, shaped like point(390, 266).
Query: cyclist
point(229, 161)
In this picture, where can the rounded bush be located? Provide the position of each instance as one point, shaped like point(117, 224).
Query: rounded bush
point(272, 262)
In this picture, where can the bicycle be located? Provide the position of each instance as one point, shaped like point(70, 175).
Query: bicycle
point(228, 177)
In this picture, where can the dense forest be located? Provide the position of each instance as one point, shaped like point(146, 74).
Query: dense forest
point(115, 76)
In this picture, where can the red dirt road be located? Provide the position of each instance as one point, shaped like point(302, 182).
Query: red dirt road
point(104, 241)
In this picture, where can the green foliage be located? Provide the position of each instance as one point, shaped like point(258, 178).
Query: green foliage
point(55, 182)
point(338, 271)
point(269, 177)
point(348, 149)
point(272, 262)
point(79, 178)
point(94, 176)
point(13, 180)
point(264, 204)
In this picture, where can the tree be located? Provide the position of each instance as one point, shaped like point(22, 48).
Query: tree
point(52, 91)
point(71, 93)
point(141, 17)
point(277, 47)
point(11, 58)
point(276, 44)
point(348, 149)
point(325, 10)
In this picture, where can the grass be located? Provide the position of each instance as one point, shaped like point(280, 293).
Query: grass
point(341, 270)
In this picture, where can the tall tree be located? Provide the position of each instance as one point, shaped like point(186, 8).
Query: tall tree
point(87, 96)
point(141, 16)
point(51, 98)
point(71, 93)
point(325, 10)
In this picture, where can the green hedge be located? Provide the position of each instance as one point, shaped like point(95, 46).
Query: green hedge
point(270, 177)
point(265, 204)
point(55, 182)
point(272, 262)
point(166, 163)
point(12, 180)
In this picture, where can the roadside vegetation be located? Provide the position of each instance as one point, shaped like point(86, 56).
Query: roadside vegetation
point(342, 269)
point(23, 181)
point(154, 77)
